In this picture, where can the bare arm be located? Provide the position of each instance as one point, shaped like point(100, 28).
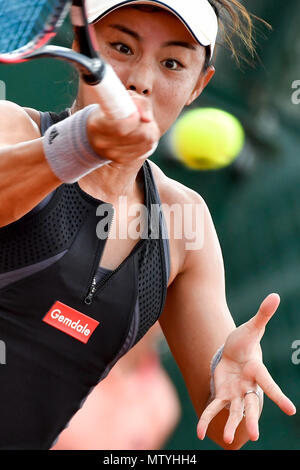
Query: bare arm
point(196, 321)
point(26, 177)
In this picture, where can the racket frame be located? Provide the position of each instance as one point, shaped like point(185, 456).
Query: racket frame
point(88, 63)
point(109, 91)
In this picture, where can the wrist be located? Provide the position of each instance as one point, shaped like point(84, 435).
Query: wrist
point(213, 364)
point(68, 150)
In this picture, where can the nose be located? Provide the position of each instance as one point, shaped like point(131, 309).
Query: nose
point(140, 79)
point(143, 92)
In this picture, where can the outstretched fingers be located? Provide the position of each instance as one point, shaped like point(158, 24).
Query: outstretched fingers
point(252, 406)
point(266, 311)
point(234, 419)
point(273, 391)
point(248, 408)
point(208, 415)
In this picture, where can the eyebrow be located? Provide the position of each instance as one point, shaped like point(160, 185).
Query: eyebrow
point(185, 44)
point(123, 29)
point(135, 35)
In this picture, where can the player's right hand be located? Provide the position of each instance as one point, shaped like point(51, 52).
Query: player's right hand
point(124, 140)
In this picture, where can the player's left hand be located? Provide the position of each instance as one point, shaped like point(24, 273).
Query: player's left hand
point(241, 370)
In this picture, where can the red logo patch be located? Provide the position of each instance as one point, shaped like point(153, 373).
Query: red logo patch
point(71, 322)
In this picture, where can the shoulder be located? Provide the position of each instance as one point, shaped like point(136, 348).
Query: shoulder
point(34, 115)
point(172, 191)
point(11, 109)
point(187, 218)
point(24, 126)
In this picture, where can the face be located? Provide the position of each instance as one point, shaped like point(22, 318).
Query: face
point(154, 55)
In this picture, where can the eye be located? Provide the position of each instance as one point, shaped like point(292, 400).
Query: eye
point(172, 64)
point(122, 48)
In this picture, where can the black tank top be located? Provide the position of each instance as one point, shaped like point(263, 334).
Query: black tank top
point(64, 322)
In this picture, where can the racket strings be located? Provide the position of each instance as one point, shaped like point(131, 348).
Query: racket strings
point(24, 21)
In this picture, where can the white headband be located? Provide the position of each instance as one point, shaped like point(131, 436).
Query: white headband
point(198, 16)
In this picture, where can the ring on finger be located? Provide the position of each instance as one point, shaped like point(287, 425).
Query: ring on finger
point(247, 393)
point(252, 391)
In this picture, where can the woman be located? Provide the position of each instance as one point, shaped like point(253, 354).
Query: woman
point(65, 320)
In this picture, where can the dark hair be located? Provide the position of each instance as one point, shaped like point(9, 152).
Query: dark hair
point(234, 22)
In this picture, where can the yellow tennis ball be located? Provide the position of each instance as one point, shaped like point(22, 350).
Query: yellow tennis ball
point(207, 138)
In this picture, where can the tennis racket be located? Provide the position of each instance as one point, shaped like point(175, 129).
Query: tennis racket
point(26, 26)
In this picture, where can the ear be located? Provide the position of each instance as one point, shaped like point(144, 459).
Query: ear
point(202, 82)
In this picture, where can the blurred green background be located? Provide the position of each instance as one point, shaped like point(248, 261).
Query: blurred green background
point(254, 202)
point(255, 207)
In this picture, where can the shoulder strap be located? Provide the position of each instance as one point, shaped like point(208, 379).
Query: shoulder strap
point(164, 229)
point(50, 118)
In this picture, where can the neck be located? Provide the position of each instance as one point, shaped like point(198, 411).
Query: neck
point(115, 179)
point(111, 181)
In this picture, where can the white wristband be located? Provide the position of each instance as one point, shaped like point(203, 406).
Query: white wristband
point(67, 148)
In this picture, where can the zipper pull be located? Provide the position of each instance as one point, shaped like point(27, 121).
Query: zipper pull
point(89, 298)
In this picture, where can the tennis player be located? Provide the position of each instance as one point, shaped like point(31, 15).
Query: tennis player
point(73, 299)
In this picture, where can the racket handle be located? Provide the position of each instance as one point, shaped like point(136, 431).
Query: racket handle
point(113, 98)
